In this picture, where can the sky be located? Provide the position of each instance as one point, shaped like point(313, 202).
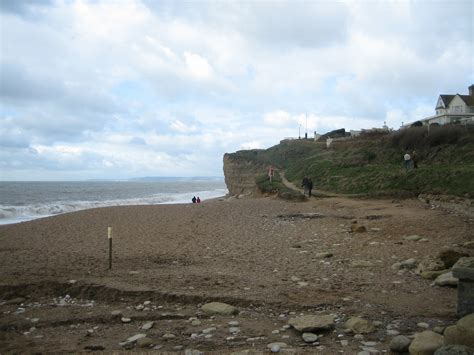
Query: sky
point(121, 89)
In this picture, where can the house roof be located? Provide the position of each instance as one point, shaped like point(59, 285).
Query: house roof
point(469, 100)
point(446, 100)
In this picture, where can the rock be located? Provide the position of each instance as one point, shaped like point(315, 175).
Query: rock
point(464, 268)
point(295, 278)
point(438, 329)
point(423, 325)
point(233, 323)
point(361, 263)
point(324, 255)
point(234, 330)
point(431, 275)
point(309, 337)
point(344, 342)
point(310, 323)
point(392, 332)
point(425, 343)
point(125, 320)
point(462, 333)
point(364, 352)
point(276, 347)
point(408, 264)
point(135, 338)
point(446, 279)
point(209, 330)
point(400, 344)
point(450, 256)
point(148, 325)
point(412, 238)
point(219, 308)
point(144, 342)
point(359, 325)
point(469, 245)
point(193, 352)
point(430, 264)
point(302, 283)
point(454, 350)
point(357, 228)
point(196, 322)
point(116, 314)
point(17, 300)
point(168, 336)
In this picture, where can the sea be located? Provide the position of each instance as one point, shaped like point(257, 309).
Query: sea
point(25, 201)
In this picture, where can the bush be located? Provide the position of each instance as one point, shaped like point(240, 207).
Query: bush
point(409, 138)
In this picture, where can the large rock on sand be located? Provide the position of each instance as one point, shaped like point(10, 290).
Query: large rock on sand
point(462, 333)
point(446, 279)
point(400, 344)
point(219, 308)
point(311, 323)
point(359, 325)
point(450, 256)
point(426, 343)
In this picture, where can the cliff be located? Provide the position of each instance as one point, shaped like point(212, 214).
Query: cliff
point(240, 174)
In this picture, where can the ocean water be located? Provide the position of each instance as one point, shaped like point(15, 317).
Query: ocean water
point(24, 201)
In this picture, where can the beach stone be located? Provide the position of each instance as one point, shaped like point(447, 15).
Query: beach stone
point(196, 322)
point(359, 325)
point(469, 245)
point(309, 337)
point(116, 314)
point(324, 255)
point(276, 347)
point(295, 278)
point(125, 320)
point(425, 343)
point(400, 344)
point(135, 337)
point(462, 333)
point(17, 300)
point(450, 256)
point(432, 275)
point(430, 264)
point(423, 325)
point(310, 323)
point(144, 342)
point(408, 264)
point(193, 352)
point(219, 308)
point(344, 342)
point(234, 330)
point(439, 330)
point(168, 336)
point(446, 279)
point(363, 352)
point(392, 332)
point(454, 350)
point(209, 330)
point(233, 323)
point(148, 325)
point(412, 238)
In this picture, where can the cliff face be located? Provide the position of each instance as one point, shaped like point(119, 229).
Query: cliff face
point(240, 175)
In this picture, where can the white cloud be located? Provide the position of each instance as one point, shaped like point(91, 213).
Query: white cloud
point(198, 66)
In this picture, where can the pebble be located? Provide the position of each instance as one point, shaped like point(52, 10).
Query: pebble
point(275, 331)
point(359, 337)
point(148, 325)
point(125, 320)
point(196, 322)
point(365, 352)
point(234, 330)
point(344, 342)
point(116, 313)
point(146, 303)
point(423, 325)
point(369, 343)
point(309, 337)
point(392, 332)
point(208, 330)
point(168, 336)
point(233, 323)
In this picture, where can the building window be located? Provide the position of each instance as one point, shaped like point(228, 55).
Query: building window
point(457, 109)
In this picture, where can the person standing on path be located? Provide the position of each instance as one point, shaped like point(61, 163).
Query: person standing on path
point(310, 186)
point(304, 184)
point(414, 158)
point(407, 159)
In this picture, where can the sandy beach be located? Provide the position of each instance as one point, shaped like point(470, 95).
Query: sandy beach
point(267, 257)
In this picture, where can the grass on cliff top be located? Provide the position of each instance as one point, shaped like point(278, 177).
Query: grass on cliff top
point(373, 164)
point(276, 186)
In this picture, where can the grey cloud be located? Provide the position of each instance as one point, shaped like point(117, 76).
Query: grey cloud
point(22, 7)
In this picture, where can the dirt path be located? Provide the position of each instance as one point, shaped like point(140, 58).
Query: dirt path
point(314, 193)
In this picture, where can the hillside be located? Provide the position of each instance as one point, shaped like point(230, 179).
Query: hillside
point(371, 164)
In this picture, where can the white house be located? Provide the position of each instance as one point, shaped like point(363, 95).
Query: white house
point(452, 109)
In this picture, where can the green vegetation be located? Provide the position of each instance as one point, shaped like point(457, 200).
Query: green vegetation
point(372, 164)
point(277, 186)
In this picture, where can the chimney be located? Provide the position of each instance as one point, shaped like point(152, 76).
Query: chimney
point(471, 90)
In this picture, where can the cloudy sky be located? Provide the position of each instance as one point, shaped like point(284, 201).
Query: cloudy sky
point(117, 89)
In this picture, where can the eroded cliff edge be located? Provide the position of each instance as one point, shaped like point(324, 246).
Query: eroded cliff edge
point(240, 174)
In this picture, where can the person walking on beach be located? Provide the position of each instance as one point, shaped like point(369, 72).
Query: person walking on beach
point(414, 158)
point(194, 199)
point(304, 184)
point(310, 186)
point(407, 159)
point(198, 200)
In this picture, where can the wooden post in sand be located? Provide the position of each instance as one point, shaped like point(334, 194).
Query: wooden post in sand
point(109, 236)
